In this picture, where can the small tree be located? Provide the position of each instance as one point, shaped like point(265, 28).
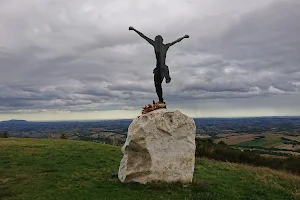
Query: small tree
point(4, 134)
point(222, 142)
point(63, 136)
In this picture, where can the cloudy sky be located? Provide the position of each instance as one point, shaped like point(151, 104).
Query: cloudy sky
point(63, 60)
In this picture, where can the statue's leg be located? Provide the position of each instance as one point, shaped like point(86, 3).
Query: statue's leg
point(167, 75)
point(157, 83)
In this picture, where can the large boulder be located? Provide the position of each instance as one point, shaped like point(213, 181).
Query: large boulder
point(160, 146)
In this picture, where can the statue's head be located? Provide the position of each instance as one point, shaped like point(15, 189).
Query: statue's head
point(159, 39)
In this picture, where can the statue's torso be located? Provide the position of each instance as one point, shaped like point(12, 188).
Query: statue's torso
point(160, 53)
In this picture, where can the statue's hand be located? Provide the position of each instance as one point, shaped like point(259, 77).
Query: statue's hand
point(186, 36)
point(131, 28)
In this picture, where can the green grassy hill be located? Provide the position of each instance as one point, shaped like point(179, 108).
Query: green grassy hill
point(64, 169)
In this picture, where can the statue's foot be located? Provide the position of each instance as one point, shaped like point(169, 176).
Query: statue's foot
point(161, 104)
point(168, 80)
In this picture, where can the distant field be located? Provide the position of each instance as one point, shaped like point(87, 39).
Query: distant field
point(269, 140)
point(297, 138)
point(68, 169)
point(232, 139)
point(227, 135)
point(288, 146)
point(290, 152)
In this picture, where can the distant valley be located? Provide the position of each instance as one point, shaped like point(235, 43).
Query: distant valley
point(277, 136)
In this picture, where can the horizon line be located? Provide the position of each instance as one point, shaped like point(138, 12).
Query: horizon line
point(94, 120)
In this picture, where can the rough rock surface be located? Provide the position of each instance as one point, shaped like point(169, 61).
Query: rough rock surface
point(160, 146)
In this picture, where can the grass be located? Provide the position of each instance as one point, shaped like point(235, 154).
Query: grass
point(64, 169)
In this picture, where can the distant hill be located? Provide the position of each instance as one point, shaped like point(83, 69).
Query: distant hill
point(68, 169)
point(15, 121)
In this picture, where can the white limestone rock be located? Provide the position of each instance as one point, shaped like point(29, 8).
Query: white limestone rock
point(160, 146)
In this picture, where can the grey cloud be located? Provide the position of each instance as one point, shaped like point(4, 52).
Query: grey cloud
point(81, 57)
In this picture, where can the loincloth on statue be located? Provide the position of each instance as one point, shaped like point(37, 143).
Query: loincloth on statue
point(160, 73)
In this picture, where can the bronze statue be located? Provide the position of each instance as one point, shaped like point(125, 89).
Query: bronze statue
point(162, 70)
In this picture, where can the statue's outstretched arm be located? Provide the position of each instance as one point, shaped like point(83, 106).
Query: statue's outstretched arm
point(178, 40)
point(142, 35)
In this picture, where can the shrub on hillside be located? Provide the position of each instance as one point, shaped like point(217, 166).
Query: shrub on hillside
point(4, 134)
point(63, 136)
point(222, 142)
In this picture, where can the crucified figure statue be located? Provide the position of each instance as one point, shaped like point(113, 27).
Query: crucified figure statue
point(162, 70)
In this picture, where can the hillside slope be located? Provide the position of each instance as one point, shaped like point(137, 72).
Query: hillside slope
point(64, 169)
